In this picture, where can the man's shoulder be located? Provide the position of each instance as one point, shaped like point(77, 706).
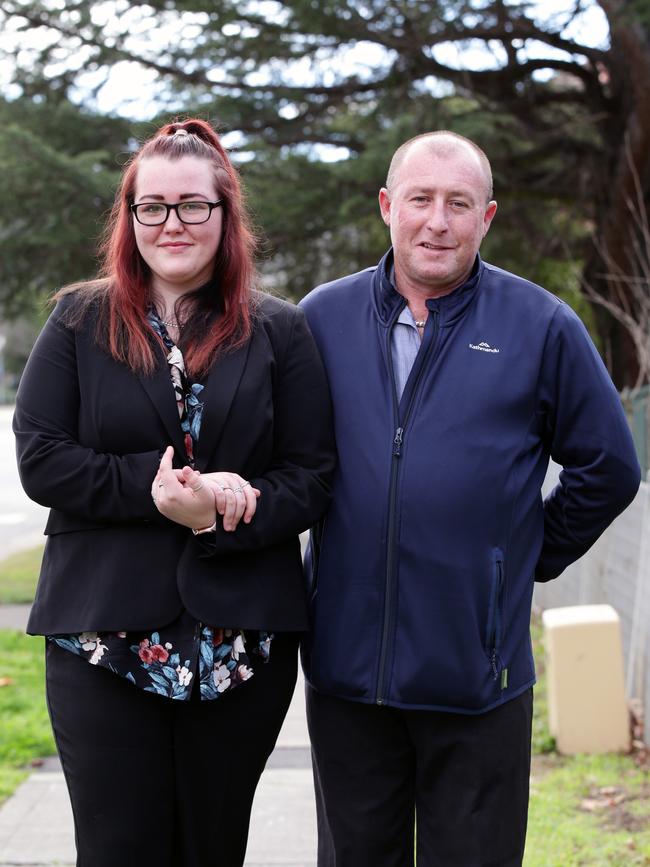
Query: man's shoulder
point(337, 291)
point(513, 282)
point(513, 289)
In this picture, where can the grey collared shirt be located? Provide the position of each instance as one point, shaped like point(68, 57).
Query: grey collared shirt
point(405, 344)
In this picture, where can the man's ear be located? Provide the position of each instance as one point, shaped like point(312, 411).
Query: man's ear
point(384, 205)
point(490, 211)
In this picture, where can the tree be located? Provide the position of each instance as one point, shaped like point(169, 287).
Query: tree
point(298, 78)
point(59, 174)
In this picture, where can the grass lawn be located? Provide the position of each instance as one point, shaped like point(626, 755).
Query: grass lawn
point(18, 575)
point(589, 811)
point(25, 734)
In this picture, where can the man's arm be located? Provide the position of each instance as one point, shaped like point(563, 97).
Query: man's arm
point(588, 435)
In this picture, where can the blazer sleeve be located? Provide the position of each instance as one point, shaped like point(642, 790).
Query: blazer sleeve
point(56, 470)
point(296, 486)
point(588, 435)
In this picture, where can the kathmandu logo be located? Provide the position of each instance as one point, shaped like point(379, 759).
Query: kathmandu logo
point(483, 347)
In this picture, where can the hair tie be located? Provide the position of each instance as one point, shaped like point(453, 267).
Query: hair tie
point(180, 131)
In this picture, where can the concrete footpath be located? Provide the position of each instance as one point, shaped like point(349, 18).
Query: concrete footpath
point(36, 827)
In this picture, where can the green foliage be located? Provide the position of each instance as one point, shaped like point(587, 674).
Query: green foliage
point(59, 171)
point(25, 733)
point(542, 742)
point(18, 576)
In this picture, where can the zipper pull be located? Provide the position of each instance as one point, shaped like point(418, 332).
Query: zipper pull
point(397, 442)
point(495, 668)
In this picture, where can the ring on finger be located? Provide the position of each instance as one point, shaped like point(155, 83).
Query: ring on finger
point(244, 485)
point(161, 484)
point(196, 490)
point(226, 488)
point(237, 490)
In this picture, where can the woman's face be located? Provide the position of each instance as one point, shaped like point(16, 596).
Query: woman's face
point(180, 255)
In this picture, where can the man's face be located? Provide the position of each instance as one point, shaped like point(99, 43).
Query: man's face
point(438, 214)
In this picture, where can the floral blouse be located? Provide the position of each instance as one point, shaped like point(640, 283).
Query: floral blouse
point(166, 661)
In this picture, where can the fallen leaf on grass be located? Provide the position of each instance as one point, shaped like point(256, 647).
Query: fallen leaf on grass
point(603, 799)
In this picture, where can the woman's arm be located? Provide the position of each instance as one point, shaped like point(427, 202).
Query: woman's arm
point(295, 488)
point(55, 469)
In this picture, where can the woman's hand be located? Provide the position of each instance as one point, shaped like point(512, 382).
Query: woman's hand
point(185, 499)
point(234, 496)
point(231, 495)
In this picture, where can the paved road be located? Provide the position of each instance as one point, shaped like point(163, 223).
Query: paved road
point(21, 521)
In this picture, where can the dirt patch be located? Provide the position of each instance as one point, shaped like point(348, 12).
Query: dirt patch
point(612, 806)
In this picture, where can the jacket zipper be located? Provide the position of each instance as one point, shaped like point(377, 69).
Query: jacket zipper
point(495, 633)
point(398, 438)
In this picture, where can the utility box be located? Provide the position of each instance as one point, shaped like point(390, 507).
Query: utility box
point(586, 685)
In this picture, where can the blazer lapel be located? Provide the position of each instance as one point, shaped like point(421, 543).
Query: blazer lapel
point(161, 393)
point(220, 388)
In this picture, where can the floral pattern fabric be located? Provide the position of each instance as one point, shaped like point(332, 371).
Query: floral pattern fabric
point(167, 660)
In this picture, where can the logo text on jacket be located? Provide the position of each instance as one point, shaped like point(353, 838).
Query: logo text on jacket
point(483, 347)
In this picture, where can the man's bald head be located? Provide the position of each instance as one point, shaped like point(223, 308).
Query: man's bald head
point(441, 143)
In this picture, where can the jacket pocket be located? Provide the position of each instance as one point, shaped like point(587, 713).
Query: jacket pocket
point(494, 632)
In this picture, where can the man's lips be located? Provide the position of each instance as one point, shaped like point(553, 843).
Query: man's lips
point(434, 247)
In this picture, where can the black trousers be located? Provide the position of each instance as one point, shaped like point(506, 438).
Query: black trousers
point(380, 770)
point(162, 782)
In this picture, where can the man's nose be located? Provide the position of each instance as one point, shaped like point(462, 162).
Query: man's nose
point(437, 217)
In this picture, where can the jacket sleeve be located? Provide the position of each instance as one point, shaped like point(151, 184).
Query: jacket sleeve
point(296, 486)
point(55, 469)
point(588, 435)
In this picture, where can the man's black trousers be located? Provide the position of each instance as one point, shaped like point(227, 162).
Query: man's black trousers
point(391, 783)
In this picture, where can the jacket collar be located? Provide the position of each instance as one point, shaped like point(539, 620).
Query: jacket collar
point(388, 302)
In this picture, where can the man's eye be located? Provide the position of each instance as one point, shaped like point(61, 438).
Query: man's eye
point(457, 204)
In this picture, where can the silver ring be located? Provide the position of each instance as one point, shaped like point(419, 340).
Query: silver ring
point(226, 488)
point(221, 487)
point(237, 491)
point(245, 485)
point(161, 484)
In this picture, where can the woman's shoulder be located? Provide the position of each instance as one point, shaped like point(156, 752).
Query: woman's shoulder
point(273, 312)
point(79, 304)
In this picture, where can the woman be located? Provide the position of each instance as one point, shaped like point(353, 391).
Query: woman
point(177, 425)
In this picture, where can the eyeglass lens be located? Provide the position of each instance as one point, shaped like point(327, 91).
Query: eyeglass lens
point(154, 213)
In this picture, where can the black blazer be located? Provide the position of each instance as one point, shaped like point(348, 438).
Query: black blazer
point(89, 435)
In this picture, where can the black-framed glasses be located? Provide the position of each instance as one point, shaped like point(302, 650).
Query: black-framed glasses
point(157, 213)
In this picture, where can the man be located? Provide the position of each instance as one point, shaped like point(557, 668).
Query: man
point(453, 382)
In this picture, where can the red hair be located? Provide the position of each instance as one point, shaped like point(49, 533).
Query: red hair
point(219, 316)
